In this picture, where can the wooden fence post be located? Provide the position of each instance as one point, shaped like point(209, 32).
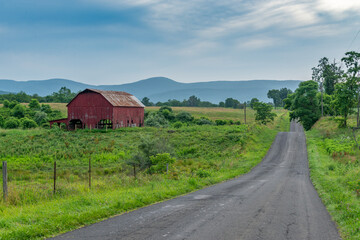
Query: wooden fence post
point(134, 171)
point(167, 168)
point(54, 177)
point(90, 172)
point(5, 179)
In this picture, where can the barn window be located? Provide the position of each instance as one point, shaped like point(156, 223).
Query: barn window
point(104, 123)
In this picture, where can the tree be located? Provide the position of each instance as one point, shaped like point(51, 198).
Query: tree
point(193, 101)
point(332, 77)
point(305, 104)
point(352, 62)
point(283, 93)
point(34, 104)
point(27, 123)
point(12, 123)
point(275, 95)
point(18, 111)
point(232, 103)
point(146, 101)
point(344, 100)
point(318, 76)
point(263, 112)
point(253, 101)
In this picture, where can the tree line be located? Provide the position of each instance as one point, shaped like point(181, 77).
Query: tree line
point(64, 95)
point(334, 91)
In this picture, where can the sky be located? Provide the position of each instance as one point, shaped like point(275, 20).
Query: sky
point(122, 41)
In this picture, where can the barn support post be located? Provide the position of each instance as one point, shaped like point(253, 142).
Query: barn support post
point(90, 172)
point(5, 180)
point(54, 190)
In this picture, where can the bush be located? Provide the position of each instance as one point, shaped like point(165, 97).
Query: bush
point(40, 117)
point(203, 121)
point(156, 120)
point(159, 162)
point(27, 123)
point(184, 117)
point(2, 121)
point(202, 173)
point(178, 124)
point(18, 111)
point(220, 122)
point(11, 123)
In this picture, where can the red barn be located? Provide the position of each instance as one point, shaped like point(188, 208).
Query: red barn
point(100, 109)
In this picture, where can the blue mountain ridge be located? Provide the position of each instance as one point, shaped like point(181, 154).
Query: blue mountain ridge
point(161, 88)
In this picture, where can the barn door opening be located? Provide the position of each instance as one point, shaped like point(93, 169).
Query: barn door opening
point(75, 124)
point(104, 123)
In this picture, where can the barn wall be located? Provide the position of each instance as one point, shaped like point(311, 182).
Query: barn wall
point(90, 108)
point(128, 116)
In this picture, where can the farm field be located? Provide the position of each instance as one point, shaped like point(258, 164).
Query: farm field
point(335, 169)
point(211, 113)
point(204, 155)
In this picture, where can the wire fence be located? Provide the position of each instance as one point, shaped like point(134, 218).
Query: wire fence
point(31, 183)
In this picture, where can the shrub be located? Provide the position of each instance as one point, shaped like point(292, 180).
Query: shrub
point(202, 173)
point(156, 120)
point(40, 117)
point(2, 121)
point(178, 124)
point(18, 111)
point(220, 122)
point(11, 123)
point(203, 121)
point(168, 115)
point(159, 162)
point(163, 108)
point(184, 117)
point(27, 123)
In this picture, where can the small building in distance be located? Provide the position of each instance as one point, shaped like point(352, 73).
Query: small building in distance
point(100, 109)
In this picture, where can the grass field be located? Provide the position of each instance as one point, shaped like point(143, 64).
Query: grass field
point(335, 172)
point(204, 155)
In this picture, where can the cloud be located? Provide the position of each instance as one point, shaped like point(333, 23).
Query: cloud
point(258, 42)
point(338, 8)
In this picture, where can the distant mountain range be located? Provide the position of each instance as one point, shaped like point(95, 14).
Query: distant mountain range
point(160, 88)
point(2, 92)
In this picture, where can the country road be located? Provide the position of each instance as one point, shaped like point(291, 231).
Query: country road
point(275, 201)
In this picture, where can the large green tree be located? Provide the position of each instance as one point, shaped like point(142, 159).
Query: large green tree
point(344, 100)
point(352, 62)
point(305, 104)
point(263, 112)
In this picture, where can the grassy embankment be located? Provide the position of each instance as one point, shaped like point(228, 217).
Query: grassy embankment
point(205, 155)
point(335, 172)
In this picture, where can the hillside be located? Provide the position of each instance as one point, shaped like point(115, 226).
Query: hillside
point(161, 88)
point(3, 92)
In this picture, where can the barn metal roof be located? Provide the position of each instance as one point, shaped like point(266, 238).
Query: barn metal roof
point(117, 98)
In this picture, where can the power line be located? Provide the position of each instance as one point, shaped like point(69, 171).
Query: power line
point(352, 42)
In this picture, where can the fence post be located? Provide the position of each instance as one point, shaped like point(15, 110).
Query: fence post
point(167, 168)
point(5, 179)
point(54, 177)
point(134, 171)
point(90, 172)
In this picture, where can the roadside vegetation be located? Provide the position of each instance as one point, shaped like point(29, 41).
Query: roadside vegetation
point(131, 167)
point(335, 172)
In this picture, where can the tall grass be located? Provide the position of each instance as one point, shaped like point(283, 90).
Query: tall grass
point(335, 172)
point(205, 155)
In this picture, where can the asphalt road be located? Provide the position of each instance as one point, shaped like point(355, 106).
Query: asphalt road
point(276, 200)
